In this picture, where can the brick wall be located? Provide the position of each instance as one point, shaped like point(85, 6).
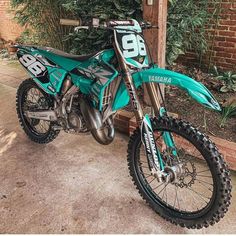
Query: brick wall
point(223, 47)
point(9, 29)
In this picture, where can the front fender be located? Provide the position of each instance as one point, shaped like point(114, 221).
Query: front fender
point(158, 75)
point(195, 89)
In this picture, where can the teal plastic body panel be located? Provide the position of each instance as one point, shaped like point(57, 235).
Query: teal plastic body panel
point(162, 76)
point(92, 76)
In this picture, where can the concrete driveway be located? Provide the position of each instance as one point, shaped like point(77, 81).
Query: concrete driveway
point(72, 185)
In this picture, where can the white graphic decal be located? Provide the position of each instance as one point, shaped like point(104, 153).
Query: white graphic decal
point(34, 66)
point(133, 46)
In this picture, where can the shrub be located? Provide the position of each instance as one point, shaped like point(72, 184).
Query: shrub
point(43, 19)
point(185, 27)
point(228, 80)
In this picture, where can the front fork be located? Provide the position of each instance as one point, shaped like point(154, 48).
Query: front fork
point(155, 160)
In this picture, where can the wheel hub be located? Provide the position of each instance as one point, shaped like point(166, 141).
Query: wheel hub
point(189, 175)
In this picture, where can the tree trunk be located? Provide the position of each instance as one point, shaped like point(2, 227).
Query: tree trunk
point(156, 38)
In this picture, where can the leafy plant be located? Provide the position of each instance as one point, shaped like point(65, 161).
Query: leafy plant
point(87, 41)
point(27, 37)
point(186, 27)
point(228, 80)
point(227, 112)
point(43, 18)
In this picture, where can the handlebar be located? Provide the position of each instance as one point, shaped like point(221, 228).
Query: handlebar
point(110, 25)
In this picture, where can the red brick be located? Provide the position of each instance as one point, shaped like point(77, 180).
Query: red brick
point(232, 28)
point(223, 27)
point(226, 33)
point(218, 59)
point(224, 54)
point(227, 5)
point(9, 30)
point(231, 39)
point(230, 50)
point(226, 44)
point(231, 61)
point(231, 161)
point(228, 22)
point(225, 66)
point(233, 17)
point(219, 38)
point(218, 49)
point(125, 115)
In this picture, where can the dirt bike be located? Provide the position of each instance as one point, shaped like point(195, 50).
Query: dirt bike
point(177, 169)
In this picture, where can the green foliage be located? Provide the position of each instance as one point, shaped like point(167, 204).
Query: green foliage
point(43, 18)
point(27, 37)
point(227, 112)
point(88, 41)
point(186, 27)
point(228, 80)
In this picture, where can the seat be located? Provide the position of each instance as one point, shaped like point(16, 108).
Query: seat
point(67, 55)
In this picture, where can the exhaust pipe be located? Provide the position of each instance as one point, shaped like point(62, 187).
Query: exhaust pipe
point(102, 133)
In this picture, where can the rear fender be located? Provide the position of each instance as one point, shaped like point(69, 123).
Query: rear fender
point(195, 89)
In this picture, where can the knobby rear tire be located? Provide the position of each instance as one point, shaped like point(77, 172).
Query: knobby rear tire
point(34, 136)
point(214, 160)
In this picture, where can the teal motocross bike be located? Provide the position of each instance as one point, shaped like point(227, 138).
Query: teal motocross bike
point(177, 169)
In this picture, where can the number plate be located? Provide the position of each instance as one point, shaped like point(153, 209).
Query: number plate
point(35, 67)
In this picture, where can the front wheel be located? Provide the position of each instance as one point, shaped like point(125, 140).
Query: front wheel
point(200, 195)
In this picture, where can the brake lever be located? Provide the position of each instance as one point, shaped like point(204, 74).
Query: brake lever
point(76, 29)
point(150, 27)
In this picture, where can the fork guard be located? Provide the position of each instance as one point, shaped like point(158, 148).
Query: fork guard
point(195, 89)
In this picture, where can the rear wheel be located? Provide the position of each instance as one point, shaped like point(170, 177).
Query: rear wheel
point(31, 98)
point(200, 195)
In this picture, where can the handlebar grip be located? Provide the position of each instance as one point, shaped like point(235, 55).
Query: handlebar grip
point(70, 22)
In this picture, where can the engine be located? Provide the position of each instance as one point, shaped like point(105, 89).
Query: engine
point(76, 121)
point(76, 114)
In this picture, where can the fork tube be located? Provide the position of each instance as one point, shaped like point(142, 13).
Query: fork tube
point(153, 95)
point(138, 112)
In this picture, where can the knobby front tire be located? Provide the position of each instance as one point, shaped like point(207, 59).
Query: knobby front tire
point(221, 182)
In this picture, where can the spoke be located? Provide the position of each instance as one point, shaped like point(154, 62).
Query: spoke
point(176, 197)
point(200, 195)
point(158, 186)
point(143, 162)
point(145, 167)
point(163, 188)
point(193, 154)
point(148, 175)
point(166, 195)
point(163, 193)
point(193, 198)
point(207, 176)
point(204, 181)
point(204, 185)
point(46, 125)
point(152, 180)
point(202, 171)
